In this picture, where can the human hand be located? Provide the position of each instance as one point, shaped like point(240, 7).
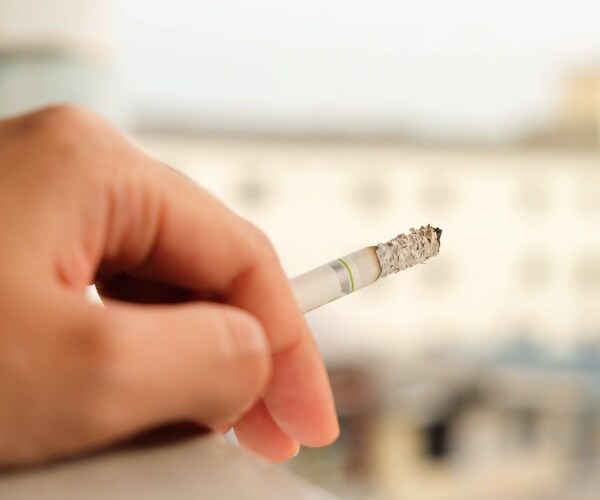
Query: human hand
point(200, 322)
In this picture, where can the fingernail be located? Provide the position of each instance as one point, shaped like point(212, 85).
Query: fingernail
point(247, 336)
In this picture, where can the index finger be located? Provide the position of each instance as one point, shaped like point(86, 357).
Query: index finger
point(199, 244)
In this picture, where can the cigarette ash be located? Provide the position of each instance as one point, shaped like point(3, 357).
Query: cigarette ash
point(407, 250)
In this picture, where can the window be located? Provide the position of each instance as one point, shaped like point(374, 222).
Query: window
point(533, 197)
point(587, 271)
point(534, 270)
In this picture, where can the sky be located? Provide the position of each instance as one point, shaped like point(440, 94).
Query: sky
point(467, 69)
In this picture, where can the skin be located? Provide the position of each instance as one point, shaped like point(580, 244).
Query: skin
point(199, 322)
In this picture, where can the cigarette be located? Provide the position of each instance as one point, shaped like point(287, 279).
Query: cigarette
point(363, 267)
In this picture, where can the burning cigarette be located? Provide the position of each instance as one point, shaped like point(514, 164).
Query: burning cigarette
point(363, 267)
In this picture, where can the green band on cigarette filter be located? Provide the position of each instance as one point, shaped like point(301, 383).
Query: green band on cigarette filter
point(349, 274)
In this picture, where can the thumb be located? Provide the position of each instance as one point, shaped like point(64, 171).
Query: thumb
point(206, 362)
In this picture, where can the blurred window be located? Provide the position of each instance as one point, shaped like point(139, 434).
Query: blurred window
point(587, 271)
point(534, 270)
point(438, 275)
point(370, 192)
point(437, 437)
point(251, 191)
point(534, 197)
point(528, 420)
point(588, 196)
point(437, 196)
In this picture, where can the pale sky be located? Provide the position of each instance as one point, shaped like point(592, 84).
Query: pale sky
point(467, 69)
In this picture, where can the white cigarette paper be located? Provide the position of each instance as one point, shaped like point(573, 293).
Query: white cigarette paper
point(363, 267)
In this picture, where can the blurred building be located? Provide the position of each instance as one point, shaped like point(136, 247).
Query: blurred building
point(578, 124)
point(582, 107)
point(514, 424)
point(520, 249)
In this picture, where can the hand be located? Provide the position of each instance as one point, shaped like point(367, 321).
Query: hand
point(199, 320)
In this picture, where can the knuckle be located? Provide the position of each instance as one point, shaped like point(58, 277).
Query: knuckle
point(71, 138)
point(263, 247)
point(60, 118)
point(67, 130)
point(95, 343)
point(97, 357)
point(56, 141)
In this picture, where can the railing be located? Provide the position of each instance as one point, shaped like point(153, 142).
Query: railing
point(190, 467)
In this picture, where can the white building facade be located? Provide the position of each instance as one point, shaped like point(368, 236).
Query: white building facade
point(520, 252)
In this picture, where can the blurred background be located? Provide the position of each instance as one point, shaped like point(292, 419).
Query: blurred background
point(338, 124)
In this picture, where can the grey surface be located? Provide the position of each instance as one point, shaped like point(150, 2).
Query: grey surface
point(200, 467)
